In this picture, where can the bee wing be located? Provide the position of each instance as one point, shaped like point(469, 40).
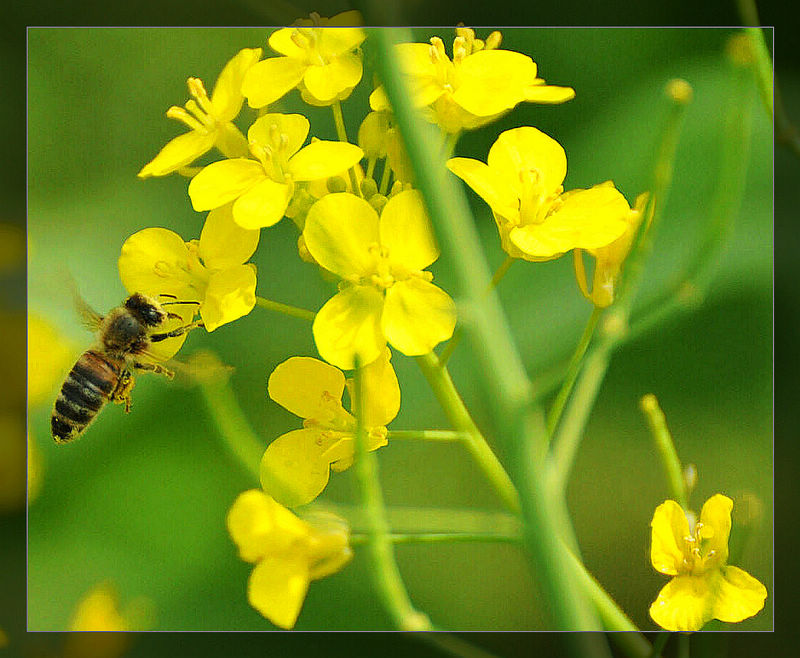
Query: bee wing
point(90, 318)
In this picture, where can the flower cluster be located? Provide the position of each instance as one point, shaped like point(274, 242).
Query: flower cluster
point(371, 234)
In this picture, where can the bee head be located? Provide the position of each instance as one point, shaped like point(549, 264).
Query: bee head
point(146, 309)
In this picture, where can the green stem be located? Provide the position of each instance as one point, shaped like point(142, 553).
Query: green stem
point(341, 132)
point(614, 619)
point(292, 311)
point(234, 429)
point(573, 368)
point(445, 391)
point(385, 572)
point(683, 645)
point(660, 642)
point(569, 433)
point(498, 275)
point(387, 171)
point(426, 435)
point(665, 446)
point(371, 166)
point(519, 424)
point(442, 537)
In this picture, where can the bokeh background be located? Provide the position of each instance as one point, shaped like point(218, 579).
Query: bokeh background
point(141, 500)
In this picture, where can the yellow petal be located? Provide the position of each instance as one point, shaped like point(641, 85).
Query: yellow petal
point(330, 81)
point(685, 603)
point(489, 184)
point(271, 79)
point(350, 324)
point(264, 204)
point(168, 348)
point(260, 526)
point(340, 40)
point(669, 530)
point(715, 518)
point(549, 94)
point(527, 149)
point(179, 152)
point(302, 384)
point(381, 391)
point(293, 469)
point(587, 219)
point(323, 159)
point(291, 127)
point(417, 316)
point(224, 181)
point(278, 586)
point(739, 595)
point(372, 134)
point(223, 243)
point(281, 42)
point(406, 231)
point(492, 81)
point(340, 230)
point(231, 294)
point(227, 98)
point(154, 261)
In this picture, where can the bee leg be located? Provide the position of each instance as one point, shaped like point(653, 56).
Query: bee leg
point(122, 393)
point(155, 338)
point(154, 367)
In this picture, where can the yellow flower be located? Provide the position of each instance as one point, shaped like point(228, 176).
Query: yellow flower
point(98, 613)
point(523, 186)
point(703, 586)
point(211, 271)
point(50, 356)
point(385, 293)
point(320, 56)
point(261, 189)
point(296, 466)
point(209, 120)
point(288, 553)
point(609, 259)
point(477, 86)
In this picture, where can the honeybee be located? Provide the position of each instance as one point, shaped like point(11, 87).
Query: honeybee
point(105, 371)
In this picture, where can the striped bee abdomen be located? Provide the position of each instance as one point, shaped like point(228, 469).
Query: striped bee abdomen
point(87, 388)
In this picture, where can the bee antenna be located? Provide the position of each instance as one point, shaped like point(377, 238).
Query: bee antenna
point(166, 294)
point(173, 303)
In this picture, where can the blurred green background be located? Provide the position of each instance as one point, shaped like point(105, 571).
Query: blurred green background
point(141, 499)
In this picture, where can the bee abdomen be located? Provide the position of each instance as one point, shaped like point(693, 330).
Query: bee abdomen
point(87, 388)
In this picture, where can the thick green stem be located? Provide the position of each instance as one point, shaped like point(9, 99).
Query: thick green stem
point(445, 391)
point(519, 425)
point(498, 275)
point(385, 572)
point(426, 435)
point(285, 309)
point(673, 471)
point(442, 538)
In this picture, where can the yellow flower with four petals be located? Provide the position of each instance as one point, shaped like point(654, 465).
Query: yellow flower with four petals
point(477, 86)
point(695, 554)
point(288, 553)
point(212, 271)
point(261, 189)
point(537, 220)
point(385, 294)
point(209, 119)
point(319, 56)
point(296, 466)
